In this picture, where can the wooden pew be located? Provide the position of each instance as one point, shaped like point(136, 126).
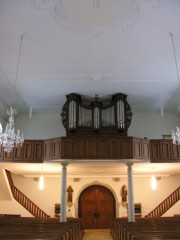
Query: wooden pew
point(146, 229)
point(34, 228)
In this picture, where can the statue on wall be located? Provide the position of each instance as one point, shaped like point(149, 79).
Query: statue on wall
point(69, 196)
point(124, 194)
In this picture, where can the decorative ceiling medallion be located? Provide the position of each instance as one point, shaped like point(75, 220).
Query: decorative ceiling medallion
point(43, 4)
point(94, 16)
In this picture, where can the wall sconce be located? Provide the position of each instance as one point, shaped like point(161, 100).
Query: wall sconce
point(41, 182)
point(153, 182)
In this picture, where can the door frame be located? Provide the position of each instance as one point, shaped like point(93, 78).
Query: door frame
point(100, 185)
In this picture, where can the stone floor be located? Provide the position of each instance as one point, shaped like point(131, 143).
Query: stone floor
point(97, 234)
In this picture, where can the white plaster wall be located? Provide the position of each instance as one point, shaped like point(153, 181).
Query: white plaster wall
point(40, 126)
point(13, 207)
point(44, 126)
point(142, 192)
point(152, 125)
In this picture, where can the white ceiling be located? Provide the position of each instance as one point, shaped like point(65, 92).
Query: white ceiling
point(91, 170)
point(89, 47)
point(50, 48)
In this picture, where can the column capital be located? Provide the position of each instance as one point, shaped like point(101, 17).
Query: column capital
point(129, 165)
point(64, 164)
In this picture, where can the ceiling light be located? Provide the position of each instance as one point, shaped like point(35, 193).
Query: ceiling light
point(9, 139)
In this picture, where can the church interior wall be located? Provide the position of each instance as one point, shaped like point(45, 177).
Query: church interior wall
point(47, 198)
point(44, 126)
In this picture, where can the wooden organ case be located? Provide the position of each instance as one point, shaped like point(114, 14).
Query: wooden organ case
point(82, 115)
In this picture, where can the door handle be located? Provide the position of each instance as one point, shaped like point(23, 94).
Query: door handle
point(96, 215)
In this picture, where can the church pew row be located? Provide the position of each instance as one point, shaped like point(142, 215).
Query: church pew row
point(166, 228)
point(39, 229)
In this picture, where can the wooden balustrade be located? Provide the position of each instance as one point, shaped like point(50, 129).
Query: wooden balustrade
point(94, 147)
point(28, 204)
point(166, 204)
point(24, 200)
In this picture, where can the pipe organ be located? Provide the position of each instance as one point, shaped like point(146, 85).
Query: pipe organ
point(92, 115)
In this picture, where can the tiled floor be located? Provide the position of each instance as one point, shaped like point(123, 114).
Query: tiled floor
point(97, 234)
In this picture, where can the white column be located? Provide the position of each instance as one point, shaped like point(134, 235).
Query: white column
point(63, 193)
point(131, 217)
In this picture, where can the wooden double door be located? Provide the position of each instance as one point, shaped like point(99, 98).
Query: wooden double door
point(96, 207)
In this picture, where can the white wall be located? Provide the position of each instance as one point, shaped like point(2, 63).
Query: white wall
point(40, 126)
point(44, 126)
point(152, 125)
point(51, 194)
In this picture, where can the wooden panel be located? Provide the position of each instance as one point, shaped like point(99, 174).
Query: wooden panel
point(155, 150)
point(91, 148)
point(8, 156)
point(66, 147)
point(175, 151)
point(18, 153)
point(102, 148)
point(137, 148)
point(56, 148)
point(79, 148)
point(165, 150)
point(1, 152)
point(47, 149)
point(126, 148)
point(38, 150)
point(28, 150)
point(114, 148)
point(145, 149)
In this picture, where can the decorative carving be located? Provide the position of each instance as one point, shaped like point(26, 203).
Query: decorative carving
point(124, 20)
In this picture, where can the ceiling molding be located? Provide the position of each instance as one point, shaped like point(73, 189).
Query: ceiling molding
point(66, 21)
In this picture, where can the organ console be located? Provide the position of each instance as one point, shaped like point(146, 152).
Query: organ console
point(94, 115)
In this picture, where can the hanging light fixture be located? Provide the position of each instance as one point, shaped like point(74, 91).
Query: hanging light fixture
point(175, 135)
point(9, 139)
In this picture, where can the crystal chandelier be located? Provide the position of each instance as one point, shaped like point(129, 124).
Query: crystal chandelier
point(175, 135)
point(9, 139)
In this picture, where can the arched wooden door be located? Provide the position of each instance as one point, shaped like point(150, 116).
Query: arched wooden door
point(96, 207)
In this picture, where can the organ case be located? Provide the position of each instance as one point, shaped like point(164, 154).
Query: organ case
point(94, 115)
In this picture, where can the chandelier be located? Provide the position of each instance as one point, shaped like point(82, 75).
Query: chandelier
point(175, 135)
point(9, 139)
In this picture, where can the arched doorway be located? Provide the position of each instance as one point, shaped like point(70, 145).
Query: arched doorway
point(96, 207)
